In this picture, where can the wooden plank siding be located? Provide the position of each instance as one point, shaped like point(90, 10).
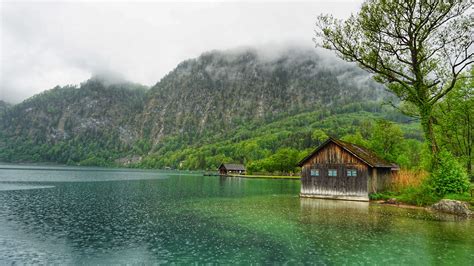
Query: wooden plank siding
point(379, 179)
point(341, 186)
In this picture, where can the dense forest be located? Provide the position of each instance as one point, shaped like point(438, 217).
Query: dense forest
point(266, 110)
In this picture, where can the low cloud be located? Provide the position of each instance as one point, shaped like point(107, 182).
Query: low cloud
point(49, 44)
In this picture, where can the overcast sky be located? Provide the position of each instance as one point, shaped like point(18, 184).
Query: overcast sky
point(44, 44)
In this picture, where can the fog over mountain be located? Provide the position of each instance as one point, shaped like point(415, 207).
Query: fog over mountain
point(44, 44)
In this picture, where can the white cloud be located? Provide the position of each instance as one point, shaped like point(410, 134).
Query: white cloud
point(48, 44)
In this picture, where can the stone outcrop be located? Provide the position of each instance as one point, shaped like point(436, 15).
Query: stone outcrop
point(453, 207)
point(392, 201)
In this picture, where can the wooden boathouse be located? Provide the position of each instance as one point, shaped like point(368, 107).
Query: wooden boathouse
point(228, 168)
point(342, 170)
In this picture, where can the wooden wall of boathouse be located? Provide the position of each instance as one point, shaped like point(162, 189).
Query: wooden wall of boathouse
point(379, 179)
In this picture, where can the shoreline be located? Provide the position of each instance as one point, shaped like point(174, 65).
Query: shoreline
point(469, 215)
point(284, 177)
point(400, 205)
point(375, 202)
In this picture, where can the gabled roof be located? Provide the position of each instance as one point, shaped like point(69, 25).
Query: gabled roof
point(233, 167)
point(362, 153)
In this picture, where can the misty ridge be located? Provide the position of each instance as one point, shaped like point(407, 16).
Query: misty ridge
point(288, 56)
point(263, 57)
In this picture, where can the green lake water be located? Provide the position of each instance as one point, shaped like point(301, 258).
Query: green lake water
point(106, 216)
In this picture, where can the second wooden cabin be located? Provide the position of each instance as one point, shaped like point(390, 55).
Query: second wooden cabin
point(342, 170)
point(229, 168)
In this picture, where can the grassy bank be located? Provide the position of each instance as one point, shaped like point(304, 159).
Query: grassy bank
point(414, 188)
point(416, 197)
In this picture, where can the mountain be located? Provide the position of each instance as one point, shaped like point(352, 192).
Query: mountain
point(72, 123)
point(201, 113)
point(221, 90)
point(4, 106)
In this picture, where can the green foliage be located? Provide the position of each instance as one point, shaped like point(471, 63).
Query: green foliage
point(462, 197)
point(89, 125)
point(357, 139)
point(270, 147)
point(261, 146)
point(449, 177)
point(318, 136)
point(455, 126)
point(448, 180)
point(94, 161)
point(387, 140)
point(423, 195)
point(380, 196)
point(405, 45)
point(283, 161)
point(217, 108)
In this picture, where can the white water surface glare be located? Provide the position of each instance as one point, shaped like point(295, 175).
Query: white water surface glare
point(73, 215)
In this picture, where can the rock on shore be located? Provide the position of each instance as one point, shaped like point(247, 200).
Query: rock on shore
point(452, 206)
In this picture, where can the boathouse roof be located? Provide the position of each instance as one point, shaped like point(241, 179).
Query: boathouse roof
point(364, 154)
point(232, 167)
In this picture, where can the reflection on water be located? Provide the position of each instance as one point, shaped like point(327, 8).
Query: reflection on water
point(316, 205)
point(8, 186)
point(147, 216)
point(62, 174)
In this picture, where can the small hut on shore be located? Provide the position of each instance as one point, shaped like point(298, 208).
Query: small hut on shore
point(342, 170)
point(228, 168)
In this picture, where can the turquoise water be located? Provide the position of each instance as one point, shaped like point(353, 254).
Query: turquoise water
point(102, 216)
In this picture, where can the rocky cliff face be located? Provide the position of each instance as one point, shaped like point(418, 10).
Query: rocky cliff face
point(70, 112)
point(103, 117)
point(62, 113)
point(220, 90)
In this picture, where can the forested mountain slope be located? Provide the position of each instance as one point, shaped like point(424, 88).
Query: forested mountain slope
point(203, 112)
point(71, 124)
point(221, 90)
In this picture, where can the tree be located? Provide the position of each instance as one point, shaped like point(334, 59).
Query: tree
point(356, 138)
point(387, 139)
point(285, 159)
point(418, 49)
point(456, 129)
point(318, 136)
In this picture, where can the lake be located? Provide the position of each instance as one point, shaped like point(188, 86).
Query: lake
point(72, 215)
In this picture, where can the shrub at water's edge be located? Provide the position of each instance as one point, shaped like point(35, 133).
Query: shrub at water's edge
point(409, 187)
point(449, 177)
point(416, 187)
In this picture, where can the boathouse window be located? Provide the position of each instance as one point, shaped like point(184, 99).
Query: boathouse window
point(351, 172)
point(332, 172)
point(314, 172)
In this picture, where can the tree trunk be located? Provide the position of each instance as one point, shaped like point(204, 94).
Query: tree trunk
point(469, 147)
point(469, 168)
point(427, 124)
point(469, 164)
